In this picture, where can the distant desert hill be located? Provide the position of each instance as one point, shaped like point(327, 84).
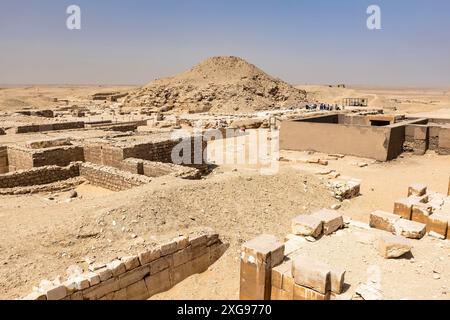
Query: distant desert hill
point(219, 84)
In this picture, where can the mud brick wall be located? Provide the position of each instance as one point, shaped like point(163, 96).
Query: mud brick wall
point(111, 178)
point(38, 176)
point(444, 140)
point(23, 158)
point(49, 127)
point(58, 156)
point(161, 151)
point(141, 276)
point(4, 167)
point(19, 158)
point(103, 154)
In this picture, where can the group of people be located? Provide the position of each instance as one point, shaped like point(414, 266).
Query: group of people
point(323, 107)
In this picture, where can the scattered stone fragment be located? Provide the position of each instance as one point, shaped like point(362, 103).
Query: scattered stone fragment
point(391, 247)
point(331, 220)
point(305, 225)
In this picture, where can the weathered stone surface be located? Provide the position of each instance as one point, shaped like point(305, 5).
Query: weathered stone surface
point(403, 208)
point(438, 223)
point(417, 189)
point(104, 274)
point(383, 221)
point(134, 276)
point(331, 220)
point(137, 291)
point(303, 293)
point(337, 277)
point(117, 267)
point(158, 282)
point(421, 212)
point(410, 229)
point(57, 293)
point(307, 226)
point(391, 246)
point(264, 249)
point(93, 278)
point(149, 255)
point(311, 274)
point(131, 262)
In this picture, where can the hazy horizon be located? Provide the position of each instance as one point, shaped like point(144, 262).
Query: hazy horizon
point(301, 42)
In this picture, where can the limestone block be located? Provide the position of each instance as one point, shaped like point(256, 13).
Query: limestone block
point(101, 290)
point(104, 274)
point(93, 278)
point(58, 292)
point(410, 229)
point(337, 277)
point(258, 257)
point(117, 267)
point(131, 262)
point(383, 221)
point(331, 220)
point(438, 223)
point(421, 212)
point(158, 282)
point(137, 291)
point(391, 246)
point(311, 274)
point(264, 249)
point(417, 189)
point(160, 264)
point(307, 226)
point(133, 276)
point(403, 208)
point(168, 248)
point(149, 255)
point(303, 293)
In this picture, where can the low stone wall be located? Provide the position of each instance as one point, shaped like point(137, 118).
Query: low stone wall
point(4, 166)
point(138, 277)
point(158, 169)
point(111, 178)
point(38, 176)
point(49, 127)
point(58, 186)
point(21, 158)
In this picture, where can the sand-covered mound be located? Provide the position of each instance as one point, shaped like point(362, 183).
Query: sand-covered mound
point(219, 84)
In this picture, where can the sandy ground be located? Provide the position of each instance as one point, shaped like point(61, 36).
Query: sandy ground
point(41, 97)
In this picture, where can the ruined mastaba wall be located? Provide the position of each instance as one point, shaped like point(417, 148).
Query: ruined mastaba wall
point(38, 176)
point(112, 153)
point(157, 169)
point(111, 178)
point(22, 158)
point(49, 127)
point(140, 276)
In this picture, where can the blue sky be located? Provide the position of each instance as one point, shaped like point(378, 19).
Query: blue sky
point(136, 41)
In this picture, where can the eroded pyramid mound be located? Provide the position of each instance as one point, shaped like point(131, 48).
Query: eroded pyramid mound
point(219, 84)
